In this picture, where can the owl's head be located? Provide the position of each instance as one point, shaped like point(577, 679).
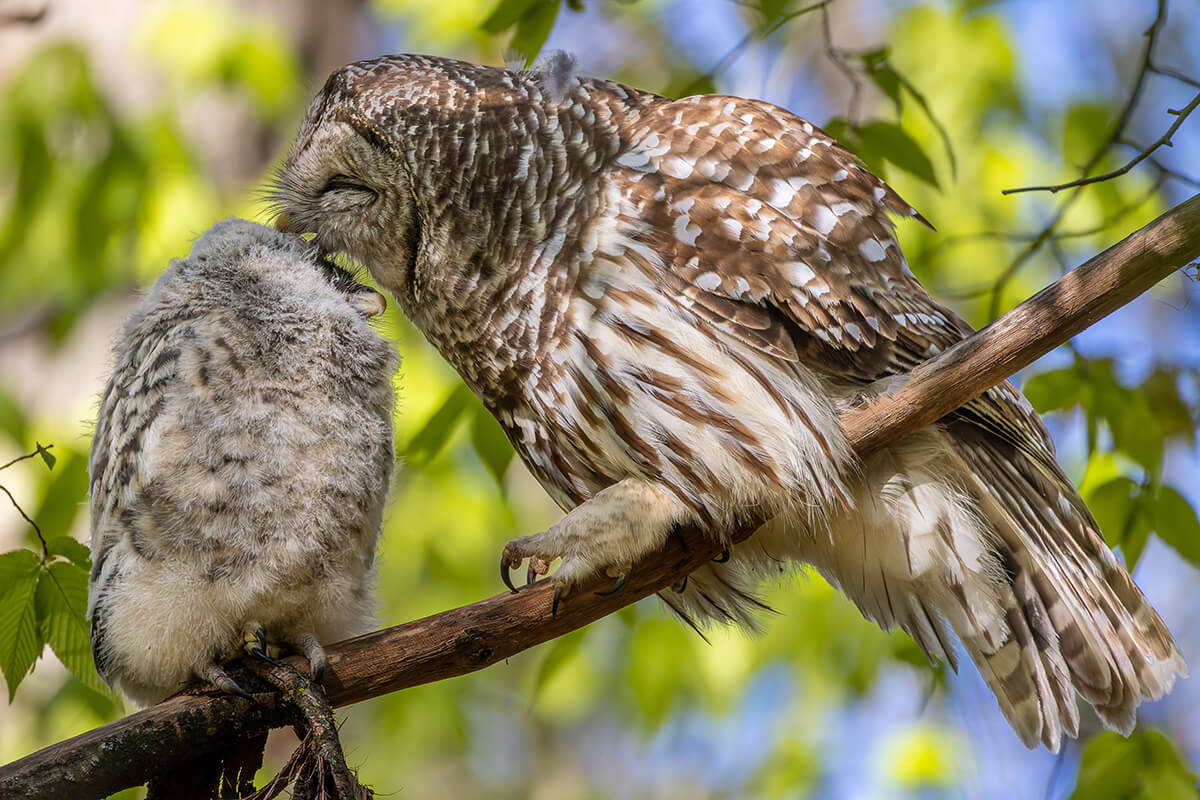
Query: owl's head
point(433, 172)
point(243, 265)
point(346, 179)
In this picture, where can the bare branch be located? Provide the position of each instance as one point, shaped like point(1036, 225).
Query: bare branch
point(1162, 141)
point(462, 640)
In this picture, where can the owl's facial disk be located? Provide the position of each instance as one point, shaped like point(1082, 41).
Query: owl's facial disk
point(354, 196)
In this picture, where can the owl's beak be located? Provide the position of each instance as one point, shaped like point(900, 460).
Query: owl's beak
point(369, 303)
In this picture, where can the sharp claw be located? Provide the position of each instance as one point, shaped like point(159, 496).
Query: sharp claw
point(679, 586)
point(505, 563)
point(558, 595)
point(221, 680)
point(531, 576)
point(721, 559)
point(677, 532)
point(621, 578)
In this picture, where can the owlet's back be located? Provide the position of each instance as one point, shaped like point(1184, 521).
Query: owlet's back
point(240, 465)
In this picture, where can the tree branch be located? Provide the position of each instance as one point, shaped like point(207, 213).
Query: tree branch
point(462, 640)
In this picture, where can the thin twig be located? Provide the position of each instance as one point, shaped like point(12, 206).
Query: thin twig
point(735, 52)
point(32, 524)
point(1162, 141)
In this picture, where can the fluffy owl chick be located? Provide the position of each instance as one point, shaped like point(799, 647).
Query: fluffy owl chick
point(240, 465)
point(666, 304)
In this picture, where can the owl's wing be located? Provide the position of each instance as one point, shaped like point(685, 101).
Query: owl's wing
point(129, 409)
point(773, 232)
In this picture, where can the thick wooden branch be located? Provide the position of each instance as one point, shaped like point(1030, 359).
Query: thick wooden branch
point(129, 751)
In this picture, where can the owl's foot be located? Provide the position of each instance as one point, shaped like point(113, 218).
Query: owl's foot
point(254, 642)
point(309, 647)
point(607, 534)
point(219, 678)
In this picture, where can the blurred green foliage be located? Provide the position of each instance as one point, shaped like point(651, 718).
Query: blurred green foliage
point(98, 193)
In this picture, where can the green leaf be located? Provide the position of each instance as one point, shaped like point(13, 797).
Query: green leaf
point(46, 455)
point(533, 30)
point(491, 444)
point(1134, 429)
point(1161, 390)
point(75, 552)
point(895, 145)
point(12, 418)
point(559, 653)
point(64, 496)
point(1176, 524)
point(1118, 506)
point(1085, 127)
point(1055, 390)
point(888, 81)
point(506, 14)
point(20, 641)
point(913, 92)
point(1146, 766)
point(434, 434)
point(61, 603)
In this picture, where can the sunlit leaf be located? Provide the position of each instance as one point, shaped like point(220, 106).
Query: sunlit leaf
point(558, 653)
point(48, 458)
point(20, 641)
point(1176, 524)
point(75, 552)
point(894, 144)
point(432, 437)
point(1118, 506)
point(61, 602)
point(888, 81)
point(64, 497)
point(12, 418)
point(491, 444)
point(1174, 418)
point(1146, 766)
point(533, 29)
point(1054, 390)
point(507, 13)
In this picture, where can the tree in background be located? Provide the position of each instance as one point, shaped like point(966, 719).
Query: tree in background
point(125, 136)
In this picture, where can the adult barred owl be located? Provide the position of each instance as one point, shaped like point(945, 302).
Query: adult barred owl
point(240, 464)
point(666, 303)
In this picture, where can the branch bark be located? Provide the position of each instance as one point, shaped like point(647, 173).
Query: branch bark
point(462, 640)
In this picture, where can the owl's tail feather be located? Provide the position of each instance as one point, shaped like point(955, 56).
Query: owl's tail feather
point(953, 529)
point(1089, 623)
point(957, 527)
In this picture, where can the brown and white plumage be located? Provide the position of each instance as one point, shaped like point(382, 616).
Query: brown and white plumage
point(666, 303)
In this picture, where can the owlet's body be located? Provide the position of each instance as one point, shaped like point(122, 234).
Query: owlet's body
point(240, 465)
point(666, 304)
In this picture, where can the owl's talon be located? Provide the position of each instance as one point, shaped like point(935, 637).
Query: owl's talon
point(721, 559)
point(622, 575)
point(559, 594)
point(679, 585)
point(220, 679)
point(310, 647)
point(505, 565)
point(531, 575)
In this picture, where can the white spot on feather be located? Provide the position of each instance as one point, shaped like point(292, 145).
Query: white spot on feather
point(799, 273)
point(824, 220)
point(871, 250)
point(708, 281)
